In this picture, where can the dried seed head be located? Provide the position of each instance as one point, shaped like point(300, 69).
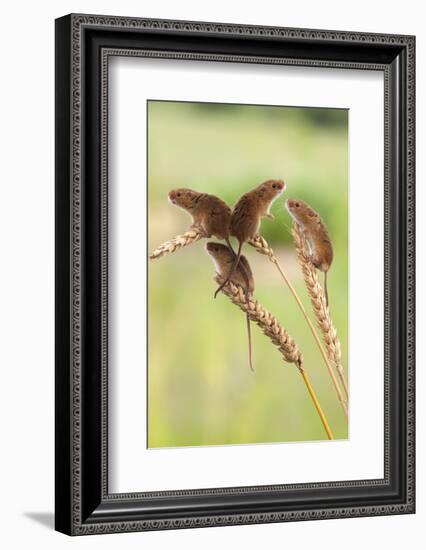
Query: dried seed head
point(265, 320)
point(318, 300)
point(187, 238)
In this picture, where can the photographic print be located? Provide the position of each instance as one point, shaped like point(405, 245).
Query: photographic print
point(228, 349)
point(248, 274)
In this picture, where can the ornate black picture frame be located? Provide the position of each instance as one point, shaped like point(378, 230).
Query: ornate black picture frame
point(84, 43)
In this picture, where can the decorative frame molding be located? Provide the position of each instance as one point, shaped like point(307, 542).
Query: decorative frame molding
point(84, 43)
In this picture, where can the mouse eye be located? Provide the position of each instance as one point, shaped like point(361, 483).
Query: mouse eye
point(274, 185)
point(296, 204)
point(178, 194)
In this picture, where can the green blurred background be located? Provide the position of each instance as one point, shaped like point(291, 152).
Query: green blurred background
point(200, 388)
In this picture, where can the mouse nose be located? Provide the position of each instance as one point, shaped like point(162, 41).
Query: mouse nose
point(172, 196)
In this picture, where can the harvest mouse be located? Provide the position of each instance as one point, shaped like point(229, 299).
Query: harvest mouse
point(223, 259)
point(316, 235)
point(247, 215)
point(210, 214)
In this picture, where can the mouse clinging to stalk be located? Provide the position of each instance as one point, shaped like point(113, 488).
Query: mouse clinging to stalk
point(210, 214)
point(223, 259)
point(248, 213)
point(315, 234)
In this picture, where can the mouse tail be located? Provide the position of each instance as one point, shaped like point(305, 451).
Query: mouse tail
point(249, 343)
point(230, 274)
point(242, 267)
point(325, 288)
point(228, 242)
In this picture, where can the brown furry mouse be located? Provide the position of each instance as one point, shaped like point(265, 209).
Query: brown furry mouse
point(247, 215)
point(223, 259)
point(210, 214)
point(316, 235)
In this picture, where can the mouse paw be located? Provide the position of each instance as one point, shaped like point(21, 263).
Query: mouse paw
point(200, 229)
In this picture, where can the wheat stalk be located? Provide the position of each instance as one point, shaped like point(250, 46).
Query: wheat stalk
point(265, 320)
point(319, 305)
point(187, 238)
point(262, 246)
point(276, 333)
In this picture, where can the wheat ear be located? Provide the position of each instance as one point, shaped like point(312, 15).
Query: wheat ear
point(187, 238)
point(319, 305)
point(262, 246)
point(277, 334)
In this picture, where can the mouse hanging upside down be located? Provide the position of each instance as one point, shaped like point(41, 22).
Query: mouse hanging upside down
point(223, 259)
